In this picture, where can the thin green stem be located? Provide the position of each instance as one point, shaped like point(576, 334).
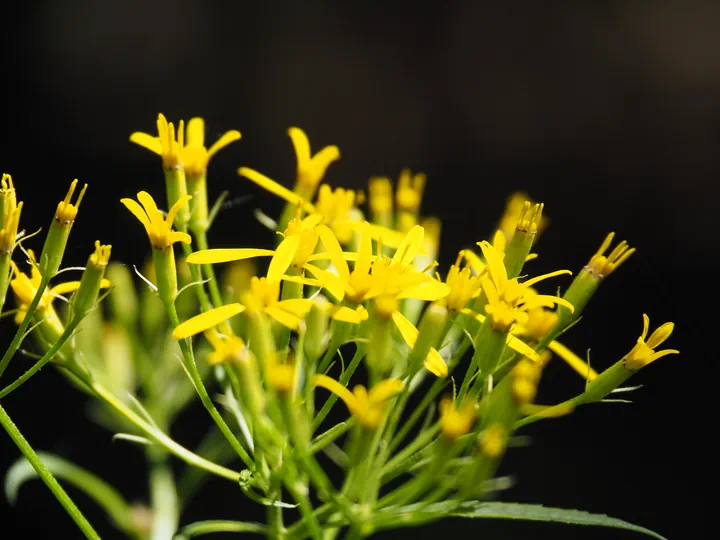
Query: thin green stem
point(46, 476)
point(162, 439)
point(204, 396)
point(20, 333)
point(47, 357)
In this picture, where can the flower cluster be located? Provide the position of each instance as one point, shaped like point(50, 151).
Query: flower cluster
point(348, 304)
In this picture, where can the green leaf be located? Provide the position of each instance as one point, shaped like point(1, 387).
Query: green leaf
point(207, 527)
point(93, 486)
point(417, 513)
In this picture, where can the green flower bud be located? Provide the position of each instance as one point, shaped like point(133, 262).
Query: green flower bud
point(57, 237)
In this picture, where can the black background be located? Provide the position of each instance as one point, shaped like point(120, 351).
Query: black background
point(607, 112)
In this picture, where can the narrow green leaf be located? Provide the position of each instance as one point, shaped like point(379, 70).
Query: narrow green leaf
point(416, 514)
point(93, 486)
point(207, 527)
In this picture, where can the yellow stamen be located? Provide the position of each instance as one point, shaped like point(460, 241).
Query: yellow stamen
point(603, 266)
point(66, 211)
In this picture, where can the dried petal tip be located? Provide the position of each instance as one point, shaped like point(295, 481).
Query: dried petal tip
point(66, 211)
point(602, 265)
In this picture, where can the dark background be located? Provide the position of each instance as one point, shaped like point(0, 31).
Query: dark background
point(607, 112)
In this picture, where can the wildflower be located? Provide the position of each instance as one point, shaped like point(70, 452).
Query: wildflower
point(310, 169)
point(508, 299)
point(643, 353)
point(166, 145)
point(10, 211)
point(158, 228)
point(493, 441)
point(524, 380)
point(408, 197)
point(195, 155)
point(462, 284)
point(368, 408)
point(381, 201)
point(226, 349)
point(456, 421)
point(601, 265)
point(512, 218)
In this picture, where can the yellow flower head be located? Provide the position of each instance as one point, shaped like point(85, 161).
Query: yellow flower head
point(368, 408)
point(601, 265)
point(525, 377)
point(463, 285)
point(380, 195)
point(10, 212)
point(159, 228)
point(493, 441)
point(66, 212)
point(281, 377)
point(166, 145)
point(516, 216)
point(456, 421)
point(310, 169)
point(226, 349)
point(101, 255)
point(508, 299)
point(335, 206)
point(194, 154)
point(409, 191)
point(644, 352)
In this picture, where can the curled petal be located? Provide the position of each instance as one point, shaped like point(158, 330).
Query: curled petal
point(285, 318)
point(407, 330)
point(195, 132)
point(227, 138)
point(147, 141)
point(283, 258)
point(435, 364)
point(385, 390)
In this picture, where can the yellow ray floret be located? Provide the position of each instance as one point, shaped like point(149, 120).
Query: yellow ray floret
point(195, 155)
point(602, 265)
point(643, 353)
point(168, 145)
point(158, 228)
point(434, 362)
point(66, 212)
point(456, 421)
point(310, 169)
point(368, 408)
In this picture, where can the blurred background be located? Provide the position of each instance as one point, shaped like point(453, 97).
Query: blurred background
point(609, 112)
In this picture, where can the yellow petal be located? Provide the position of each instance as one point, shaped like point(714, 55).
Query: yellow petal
point(64, 288)
point(521, 347)
point(338, 389)
point(573, 360)
point(533, 281)
point(435, 364)
point(546, 300)
point(302, 146)
point(475, 262)
point(489, 289)
point(138, 212)
point(407, 330)
point(195, 132)
point(409, 247)
point(182, 201)
point(177, 236)
point(332, 282)
point(345, 314)
point(384, 390)
point(495, 264)
point(283, 317)
point(213, 256)
point(659, 336)
point(205, 321)
point(332, 246)
point(283, 258)
point(147, 141)
point(273, 187)
point(364, 254)
point(303, 281)
point(227, 138)
point(429, 291)
point(297, 306)
point(150, 207)
point(322, 160)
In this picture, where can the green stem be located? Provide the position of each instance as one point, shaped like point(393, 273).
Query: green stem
point(299, 493)
point(344, 378)
point(163, 498)
point(162, 439)
point(204, 396)
point(46, 476)
point(20, 334)
point(47, 357)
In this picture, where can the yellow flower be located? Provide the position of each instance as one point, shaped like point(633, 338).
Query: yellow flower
point(380, 197)
point(409, 191)
point(368, 408)
point(643, 353)
point(66, 212)
point(26, 287)
point(493, 441)
point(573, 360)
point(601, 265)
point(434, 362)
point(226, 348)
point(159, 228)
point(456, 421)
point(508, 299)
point(166, 145)
point(310, 169)
point(9, 215)
point(194, 154)
point(463, 285)
point(514, 216)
